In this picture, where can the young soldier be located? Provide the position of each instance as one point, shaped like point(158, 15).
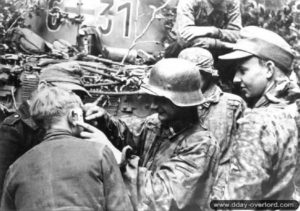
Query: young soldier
point(265, 148)
point(19, 133)
point(64, 172)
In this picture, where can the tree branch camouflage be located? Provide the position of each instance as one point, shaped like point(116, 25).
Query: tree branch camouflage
point(124, 79)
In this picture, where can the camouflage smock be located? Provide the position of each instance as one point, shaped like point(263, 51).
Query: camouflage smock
point(265, 156)
point(194, 14)
point(219, 115)
point(172, 169)
point(264, 149)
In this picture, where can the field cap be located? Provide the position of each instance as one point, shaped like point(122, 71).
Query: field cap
point(66, 75)
point(265, 44)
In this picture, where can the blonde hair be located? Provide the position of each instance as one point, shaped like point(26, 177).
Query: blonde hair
point(49, 104)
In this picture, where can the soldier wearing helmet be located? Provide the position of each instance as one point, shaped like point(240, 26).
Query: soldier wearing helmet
point(19, 133)
point(265, 151)
point(173, 159)
point(220, 112)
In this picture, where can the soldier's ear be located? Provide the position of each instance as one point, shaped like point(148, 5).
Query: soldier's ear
point(75, 115)
point(72, 117)
point(270, 69)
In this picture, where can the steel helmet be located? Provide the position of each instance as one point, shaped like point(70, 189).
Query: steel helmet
point(175, 79)
point(201, 57)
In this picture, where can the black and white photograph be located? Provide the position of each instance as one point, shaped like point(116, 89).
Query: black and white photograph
point(149, 105)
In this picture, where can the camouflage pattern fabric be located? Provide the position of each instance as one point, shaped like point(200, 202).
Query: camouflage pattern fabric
point(226, 20)
point(202, 58)
point(294, 110)
point(265, 147)
point(274, 95)
point(172, 169)
point(265, 156)
point(219, 115)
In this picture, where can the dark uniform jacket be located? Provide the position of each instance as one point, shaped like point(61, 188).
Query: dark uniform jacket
point(4, 112)
point(65, 173)
point(174, 168)
point(18, 134)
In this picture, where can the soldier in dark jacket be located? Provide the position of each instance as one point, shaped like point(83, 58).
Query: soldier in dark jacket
point(173, 162)
point(18, 132)
point(64, 172)
point(3, 112)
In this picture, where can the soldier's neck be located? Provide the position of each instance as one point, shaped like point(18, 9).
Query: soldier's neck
point(60, 125)
point(185, 118)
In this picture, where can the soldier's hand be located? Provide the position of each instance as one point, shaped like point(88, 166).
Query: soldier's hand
point(93, 134)
point(200, 31)
point(228, 45)
point(93, 112)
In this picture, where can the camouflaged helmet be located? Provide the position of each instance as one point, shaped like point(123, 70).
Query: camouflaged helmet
point(201, 57)
point(175, 79)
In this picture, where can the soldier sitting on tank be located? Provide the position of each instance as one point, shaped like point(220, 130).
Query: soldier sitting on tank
point(210, 24)
point(170, 162)
point(18, 132)
point(220, 112)
point(64, 172)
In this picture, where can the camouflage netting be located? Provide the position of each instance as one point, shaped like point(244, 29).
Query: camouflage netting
point(21, 59)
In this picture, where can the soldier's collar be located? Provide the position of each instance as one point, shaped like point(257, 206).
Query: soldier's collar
point(56, 132)
point(212, 95)
point(30, 123)
point(269, 97)
point(210, 7)
point(24, 113)
point(24, 110)
point(175, 129)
